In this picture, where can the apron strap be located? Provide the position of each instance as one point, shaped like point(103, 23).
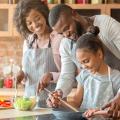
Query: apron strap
point(35, 37)
point(109, 77)
point(49, 44)
point(109, 73)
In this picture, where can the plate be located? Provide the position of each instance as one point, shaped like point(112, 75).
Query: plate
point(5, 104)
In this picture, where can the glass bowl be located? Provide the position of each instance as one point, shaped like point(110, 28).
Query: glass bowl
point(25, 104)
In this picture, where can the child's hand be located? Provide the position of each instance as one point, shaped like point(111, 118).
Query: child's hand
point(53, 99)
point(90, 112)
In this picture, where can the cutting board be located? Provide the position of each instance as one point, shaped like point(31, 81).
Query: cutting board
point(12, 113)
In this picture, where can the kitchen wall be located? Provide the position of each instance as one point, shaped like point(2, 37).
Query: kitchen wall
point(10, 48)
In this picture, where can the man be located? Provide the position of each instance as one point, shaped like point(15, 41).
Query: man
point(66, 21)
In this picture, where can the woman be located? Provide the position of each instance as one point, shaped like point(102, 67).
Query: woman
point(39, 66)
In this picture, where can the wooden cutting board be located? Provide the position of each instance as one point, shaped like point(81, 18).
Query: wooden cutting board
point(12, 113)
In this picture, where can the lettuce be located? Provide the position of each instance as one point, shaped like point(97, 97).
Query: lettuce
point(23, 103)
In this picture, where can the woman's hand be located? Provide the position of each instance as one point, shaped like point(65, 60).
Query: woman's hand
point(45, 81)
point(20, 76)
point(53, 99)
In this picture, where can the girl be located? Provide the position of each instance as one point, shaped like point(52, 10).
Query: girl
point(41, 59)
point(97, 82)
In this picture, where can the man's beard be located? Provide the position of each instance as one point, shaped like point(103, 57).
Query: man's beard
point(79, 29)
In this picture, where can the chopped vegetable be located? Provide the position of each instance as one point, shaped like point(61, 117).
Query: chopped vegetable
point(23, 103)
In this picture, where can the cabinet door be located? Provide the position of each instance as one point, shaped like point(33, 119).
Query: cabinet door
point(5, 20)
point(89, 9)
point(4, 1)
point(114, 11)
point(15, 33)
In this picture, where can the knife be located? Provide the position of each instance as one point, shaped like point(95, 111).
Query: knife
point(64, 102)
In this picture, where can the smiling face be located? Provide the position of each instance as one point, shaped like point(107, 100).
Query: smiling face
point(36, 22)
point(89, 60)
point(68, 27)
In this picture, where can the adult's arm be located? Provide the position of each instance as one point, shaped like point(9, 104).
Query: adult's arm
point(55, 43)
point(68, 68)
point(113, 35)
point(114, 106)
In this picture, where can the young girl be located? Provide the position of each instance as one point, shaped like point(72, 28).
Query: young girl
point(97, 82)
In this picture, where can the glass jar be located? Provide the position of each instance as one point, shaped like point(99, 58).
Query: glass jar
point(8, 82)
point(1, 82)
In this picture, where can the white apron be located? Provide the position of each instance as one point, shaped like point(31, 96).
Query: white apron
point(36, 62)
point(97, 93)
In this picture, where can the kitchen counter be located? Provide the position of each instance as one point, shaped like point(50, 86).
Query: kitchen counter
point(44, 114)
point(40, 114)
point(13, 113)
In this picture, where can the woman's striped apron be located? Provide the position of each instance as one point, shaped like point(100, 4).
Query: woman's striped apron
point(36, 62)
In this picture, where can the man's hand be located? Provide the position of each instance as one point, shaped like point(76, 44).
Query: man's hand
point(45, 81)
point(90, 112)
point(113, 107)
point(94, 112)
point(53, 99)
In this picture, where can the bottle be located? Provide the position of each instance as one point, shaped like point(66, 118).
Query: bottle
point(71, 1)
point(96, 1)
point(8, 82)
point(1, 82)
point(55, 1)
point(50, 1)
point(81, 1)
point(65, 1)
point(10, 1)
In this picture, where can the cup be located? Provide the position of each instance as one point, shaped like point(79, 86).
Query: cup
point(8, 82)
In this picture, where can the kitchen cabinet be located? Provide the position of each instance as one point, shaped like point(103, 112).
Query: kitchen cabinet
point(89, 9)
point(7, 27)
point(5, 20)
point(114, 11)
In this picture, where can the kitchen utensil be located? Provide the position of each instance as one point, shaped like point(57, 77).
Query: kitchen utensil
point(63, 102)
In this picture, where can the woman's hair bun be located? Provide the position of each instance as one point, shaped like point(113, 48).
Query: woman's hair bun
point(94, 30)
